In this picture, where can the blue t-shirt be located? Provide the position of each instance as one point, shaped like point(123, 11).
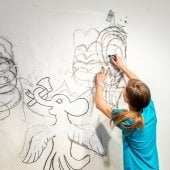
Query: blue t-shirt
point(139, 146)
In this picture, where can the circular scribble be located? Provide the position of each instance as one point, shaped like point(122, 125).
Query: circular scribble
point(10, 94)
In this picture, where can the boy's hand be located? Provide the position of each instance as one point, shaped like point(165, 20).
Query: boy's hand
point(101, 76)
point(117, 61)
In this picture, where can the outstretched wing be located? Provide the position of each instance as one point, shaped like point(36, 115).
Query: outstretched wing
point(37, 145)
point(87, 136)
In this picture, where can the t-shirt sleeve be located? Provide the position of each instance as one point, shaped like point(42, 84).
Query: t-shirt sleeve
point(124, 124)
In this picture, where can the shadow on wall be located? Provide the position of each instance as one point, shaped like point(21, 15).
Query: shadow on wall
point(105, 142)
point(112, 145)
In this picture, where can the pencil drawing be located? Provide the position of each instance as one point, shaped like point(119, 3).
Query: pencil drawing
point(57, 111)
point(63, 111)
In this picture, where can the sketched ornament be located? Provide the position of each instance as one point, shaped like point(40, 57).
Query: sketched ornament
point(85, 59)
point(61, 108)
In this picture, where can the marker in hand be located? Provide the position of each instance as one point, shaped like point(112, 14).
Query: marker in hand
point(112, 57)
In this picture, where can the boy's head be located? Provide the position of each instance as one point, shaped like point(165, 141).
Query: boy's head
point(137, 94)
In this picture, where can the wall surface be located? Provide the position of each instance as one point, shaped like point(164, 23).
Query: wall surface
point(50, 52)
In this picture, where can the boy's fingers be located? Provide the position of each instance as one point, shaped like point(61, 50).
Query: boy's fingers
point(113, 61)
point(102, 70)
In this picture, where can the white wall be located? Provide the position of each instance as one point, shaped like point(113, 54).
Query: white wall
point(42, 36)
